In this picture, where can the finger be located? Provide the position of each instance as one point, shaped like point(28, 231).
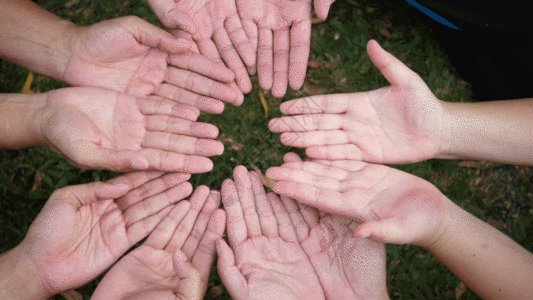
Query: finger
point(397, 73)
point(182, 144)
point(239, 39)
point(190, 282)
point(236, 226)
point(135, 179)
point(204, 255)
point(311, 122)
point(335, 152)
point(156, 105)
point(386, 230)
point(232, 60)
point(281, 62)
point(243, 186)
point(139, 230)
point(153, 36)
point(267, 219)
point(291, 157)
point(301, 227)
point(172, 18)
point(150, 188)
point(285, 227)
point(348, 165)
point(179, 126)
point(317, 169)
point(284, 173)
point(314, 138)
point(164, 231)
point(186, 225)
point(230, 274)
point(310, 214)
point(322, 8)
point(201, 224)
point(253, 36)
point(331, 104)
point(300, 47)
point(176, 162)
point(200, 85)
point(183, 96)
point(202, 65)
point(156, 203)
point(265, 59)
point(87, 155)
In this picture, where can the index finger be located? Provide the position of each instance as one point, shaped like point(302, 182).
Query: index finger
point(337, 103)
point(299, 54)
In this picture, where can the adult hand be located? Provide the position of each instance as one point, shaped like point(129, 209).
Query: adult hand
point(103, 129)
point(400, 123)
point(265, 260)
point(132, 56)
point(217, 30)
point(347, 267)
point(81, 230)
point(175, 260)
point(322, 8)
point(393, 206)
point(282, 30)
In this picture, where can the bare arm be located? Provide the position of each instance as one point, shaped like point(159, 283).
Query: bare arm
point(19, 120)
point(499, 131)
point(489, 262)
point(34, 38)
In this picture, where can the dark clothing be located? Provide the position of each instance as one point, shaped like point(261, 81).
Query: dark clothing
point(492, 48)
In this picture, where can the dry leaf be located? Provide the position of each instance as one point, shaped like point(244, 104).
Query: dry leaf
point(268, 182)
point(460, 289)
point(312, 89)
point(37, 181)
point(316, 21)
point(27, 85)
point(313, 64)
point(214, 292)
point(72, 295)
point(385, 32)
point(264, 103)
point(233, 144)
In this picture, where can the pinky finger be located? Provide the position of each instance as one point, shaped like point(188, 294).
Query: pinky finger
point(190, 281)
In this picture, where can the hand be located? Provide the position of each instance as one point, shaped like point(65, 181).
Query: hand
point(81, 230)
point(393, 206)
point(132, 56)
point(217, 30)
point(282, 30)
point(102, 129)
point(347, 267)
point(400, 123)
point(265, 260)
point(322, 8)
point(175, 260)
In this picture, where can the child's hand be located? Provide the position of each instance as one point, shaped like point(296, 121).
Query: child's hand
point(400, 123)
point(394, 206)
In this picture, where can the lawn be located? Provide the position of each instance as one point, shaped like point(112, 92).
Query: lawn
point(501, 195)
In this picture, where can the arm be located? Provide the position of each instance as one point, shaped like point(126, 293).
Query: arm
point(19, 115)
point(489, 262)
point(499, 131)
point(34, 38)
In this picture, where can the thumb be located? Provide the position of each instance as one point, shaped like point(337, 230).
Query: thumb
point(386, 230)
point(190, 279)
point(153, 36)
point(229, 273)
point(90, 156)
point(396, 72)
point(322, 8)
point(176, 19)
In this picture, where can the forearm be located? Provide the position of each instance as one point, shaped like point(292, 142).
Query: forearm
point(499, 131)
point(20, 280)
point(490, 263)
point(34, 38)
point(20, 120)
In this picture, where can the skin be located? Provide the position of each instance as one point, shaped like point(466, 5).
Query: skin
point(281, 29)
point(264, 261)
point(175, 261)
point(322, 8)
point(216, 28)
point(390, 125)
point(81, 231)
point(102, 129)
point(126, 54)
point(397, 207)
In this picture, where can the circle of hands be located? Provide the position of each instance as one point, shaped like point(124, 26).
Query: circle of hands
point(139, 92)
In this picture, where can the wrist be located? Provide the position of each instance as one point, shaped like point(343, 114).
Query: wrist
point(444, 139)
point(21, 279)
point(445, 229)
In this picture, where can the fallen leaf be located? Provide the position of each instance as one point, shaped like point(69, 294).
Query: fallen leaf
point(27, 85)
point(385, 32)
point(268, 182)
point(460, 289)
point(37, 181)
point(313, 64)
point(214, 292)
point(317, 21)
point(233, 144)
point(264, 103)
point(72, 295)
point(312, 89)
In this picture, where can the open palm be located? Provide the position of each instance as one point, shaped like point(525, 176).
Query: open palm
point(81, 230)
point(264, 262)
point(400, 123)
point(97, 128)
point(132, 56)
point(281, 29)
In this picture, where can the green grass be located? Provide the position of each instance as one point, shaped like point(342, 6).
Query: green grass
point(499, 194)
